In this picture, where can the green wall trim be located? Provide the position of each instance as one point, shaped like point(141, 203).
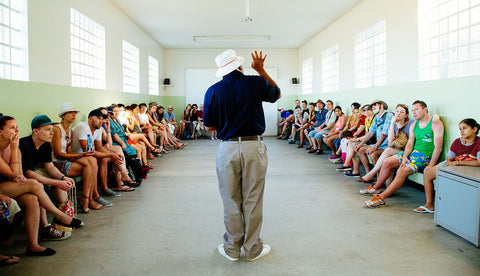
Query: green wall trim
point(25, 100)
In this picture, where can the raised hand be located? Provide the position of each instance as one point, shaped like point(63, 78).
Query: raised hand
point(258, 60)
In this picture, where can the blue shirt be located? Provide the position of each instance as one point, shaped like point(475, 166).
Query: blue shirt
point(285, 114)
point(234, 105)
point(381, 125)
point(168, 116)
point(321, 116)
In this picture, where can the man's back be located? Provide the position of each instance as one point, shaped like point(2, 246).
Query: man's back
point(234, 105)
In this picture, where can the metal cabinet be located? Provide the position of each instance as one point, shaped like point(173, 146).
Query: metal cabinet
point(457, 201)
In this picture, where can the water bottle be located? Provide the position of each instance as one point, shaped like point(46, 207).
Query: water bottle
point(4, 213)
point(89, 143)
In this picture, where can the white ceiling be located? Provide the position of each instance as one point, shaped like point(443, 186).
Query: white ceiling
point(289, 23)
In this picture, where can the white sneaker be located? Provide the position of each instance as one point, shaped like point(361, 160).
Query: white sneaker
point(266, 249)
point(222, 252)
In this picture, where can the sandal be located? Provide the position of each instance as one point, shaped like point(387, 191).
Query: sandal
point(83, 203)
point(150, 165)
point(95, 205)
point(124, 188)
point(9, 260)
point(131, 183)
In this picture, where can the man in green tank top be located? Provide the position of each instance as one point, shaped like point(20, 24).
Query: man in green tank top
point(421, 153)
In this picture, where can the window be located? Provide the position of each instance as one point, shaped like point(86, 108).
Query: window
point(152, 76)
point(131, 68)
point(13, 40)
point(330, 69)
point(371, 56)
point(449, 38)
point(307, 76)
point(87, 46)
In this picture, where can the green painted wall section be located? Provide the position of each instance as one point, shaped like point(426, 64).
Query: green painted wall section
point(25, 100)
point(453, 99)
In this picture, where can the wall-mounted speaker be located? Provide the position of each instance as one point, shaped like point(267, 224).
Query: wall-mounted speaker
point(166, 81)
point(294, 80)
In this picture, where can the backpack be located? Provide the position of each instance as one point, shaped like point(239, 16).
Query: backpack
point(135, 169)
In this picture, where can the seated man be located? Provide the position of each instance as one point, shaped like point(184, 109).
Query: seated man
point(284, 114)
point(170, 119)
point(316, 135)
point(421, 154)
point(320, 117)
point(380, 127)
point(37, 164)
point(79, 144)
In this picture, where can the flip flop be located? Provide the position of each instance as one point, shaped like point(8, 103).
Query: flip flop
point(423, 209)
point(125, 188)
point(9, 260)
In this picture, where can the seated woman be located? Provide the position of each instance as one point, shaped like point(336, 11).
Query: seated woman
point(135, 133)
point(464, 151)
point(119, 170)
point(185, 123)
point(397, 139)
point(364, 126)
point(75, 164)
point(135, 126)
point(29, 193)
point(194, 120)
point(351, 125)
point(330, 136)
point(156, 118)
point(201, 130)
point(6, 233)
point(120, 138)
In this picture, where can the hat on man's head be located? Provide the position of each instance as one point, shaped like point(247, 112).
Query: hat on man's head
point(321, 102)
point(367, 105)
point(110, 110)
point(280, 109)
point(98, 113)
point(227, 62)
point(67, 107)
point(385, 105)
point(41, 120)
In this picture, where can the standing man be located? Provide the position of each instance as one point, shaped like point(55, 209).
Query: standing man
point(233, 107)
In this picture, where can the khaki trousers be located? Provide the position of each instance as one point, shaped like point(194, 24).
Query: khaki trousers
point(241, 170)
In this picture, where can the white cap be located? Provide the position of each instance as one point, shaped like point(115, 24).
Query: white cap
point(227, 62)
point(67, 107)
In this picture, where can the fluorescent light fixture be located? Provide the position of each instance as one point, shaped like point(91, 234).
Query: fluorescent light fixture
point(230, 38)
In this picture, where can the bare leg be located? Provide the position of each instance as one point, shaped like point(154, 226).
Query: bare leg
point(29, 202)
point(428, 177)
point(362, 154)
point(14, 190)
point(378, 165)
point(388, 165)
point(397, 183)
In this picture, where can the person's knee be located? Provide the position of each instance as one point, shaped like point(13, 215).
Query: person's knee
point(391, 162)
point(404, 171)
point(30, 200)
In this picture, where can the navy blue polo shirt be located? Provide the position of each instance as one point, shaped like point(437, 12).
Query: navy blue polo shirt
point(234, 105)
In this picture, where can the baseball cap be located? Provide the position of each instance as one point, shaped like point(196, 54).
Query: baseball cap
point(41, 120)
point(98, 113)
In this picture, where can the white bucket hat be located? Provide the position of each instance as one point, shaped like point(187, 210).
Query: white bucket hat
point(67, 107)
point(227, 62)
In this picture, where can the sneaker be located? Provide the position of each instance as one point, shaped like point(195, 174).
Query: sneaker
point(350, 174)
point(336, 161)
point(104, 202)
point(266, 249)
point(222, 252)
point(344, 169)
point(110, 193)
point(376, 201)
point(50, 233)
point(291, 141)
point(370, 191)
point(334, 156)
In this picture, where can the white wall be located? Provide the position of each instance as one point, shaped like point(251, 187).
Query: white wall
point(49, 41)
point(178, 60)
point(401, 28)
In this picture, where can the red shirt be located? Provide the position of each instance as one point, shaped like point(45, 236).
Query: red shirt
point(460, 149)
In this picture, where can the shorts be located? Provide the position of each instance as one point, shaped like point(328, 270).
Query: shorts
point(417, 161)
point(312, 133)
point(310, 129)
point(62, 165)
point(319, 135)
